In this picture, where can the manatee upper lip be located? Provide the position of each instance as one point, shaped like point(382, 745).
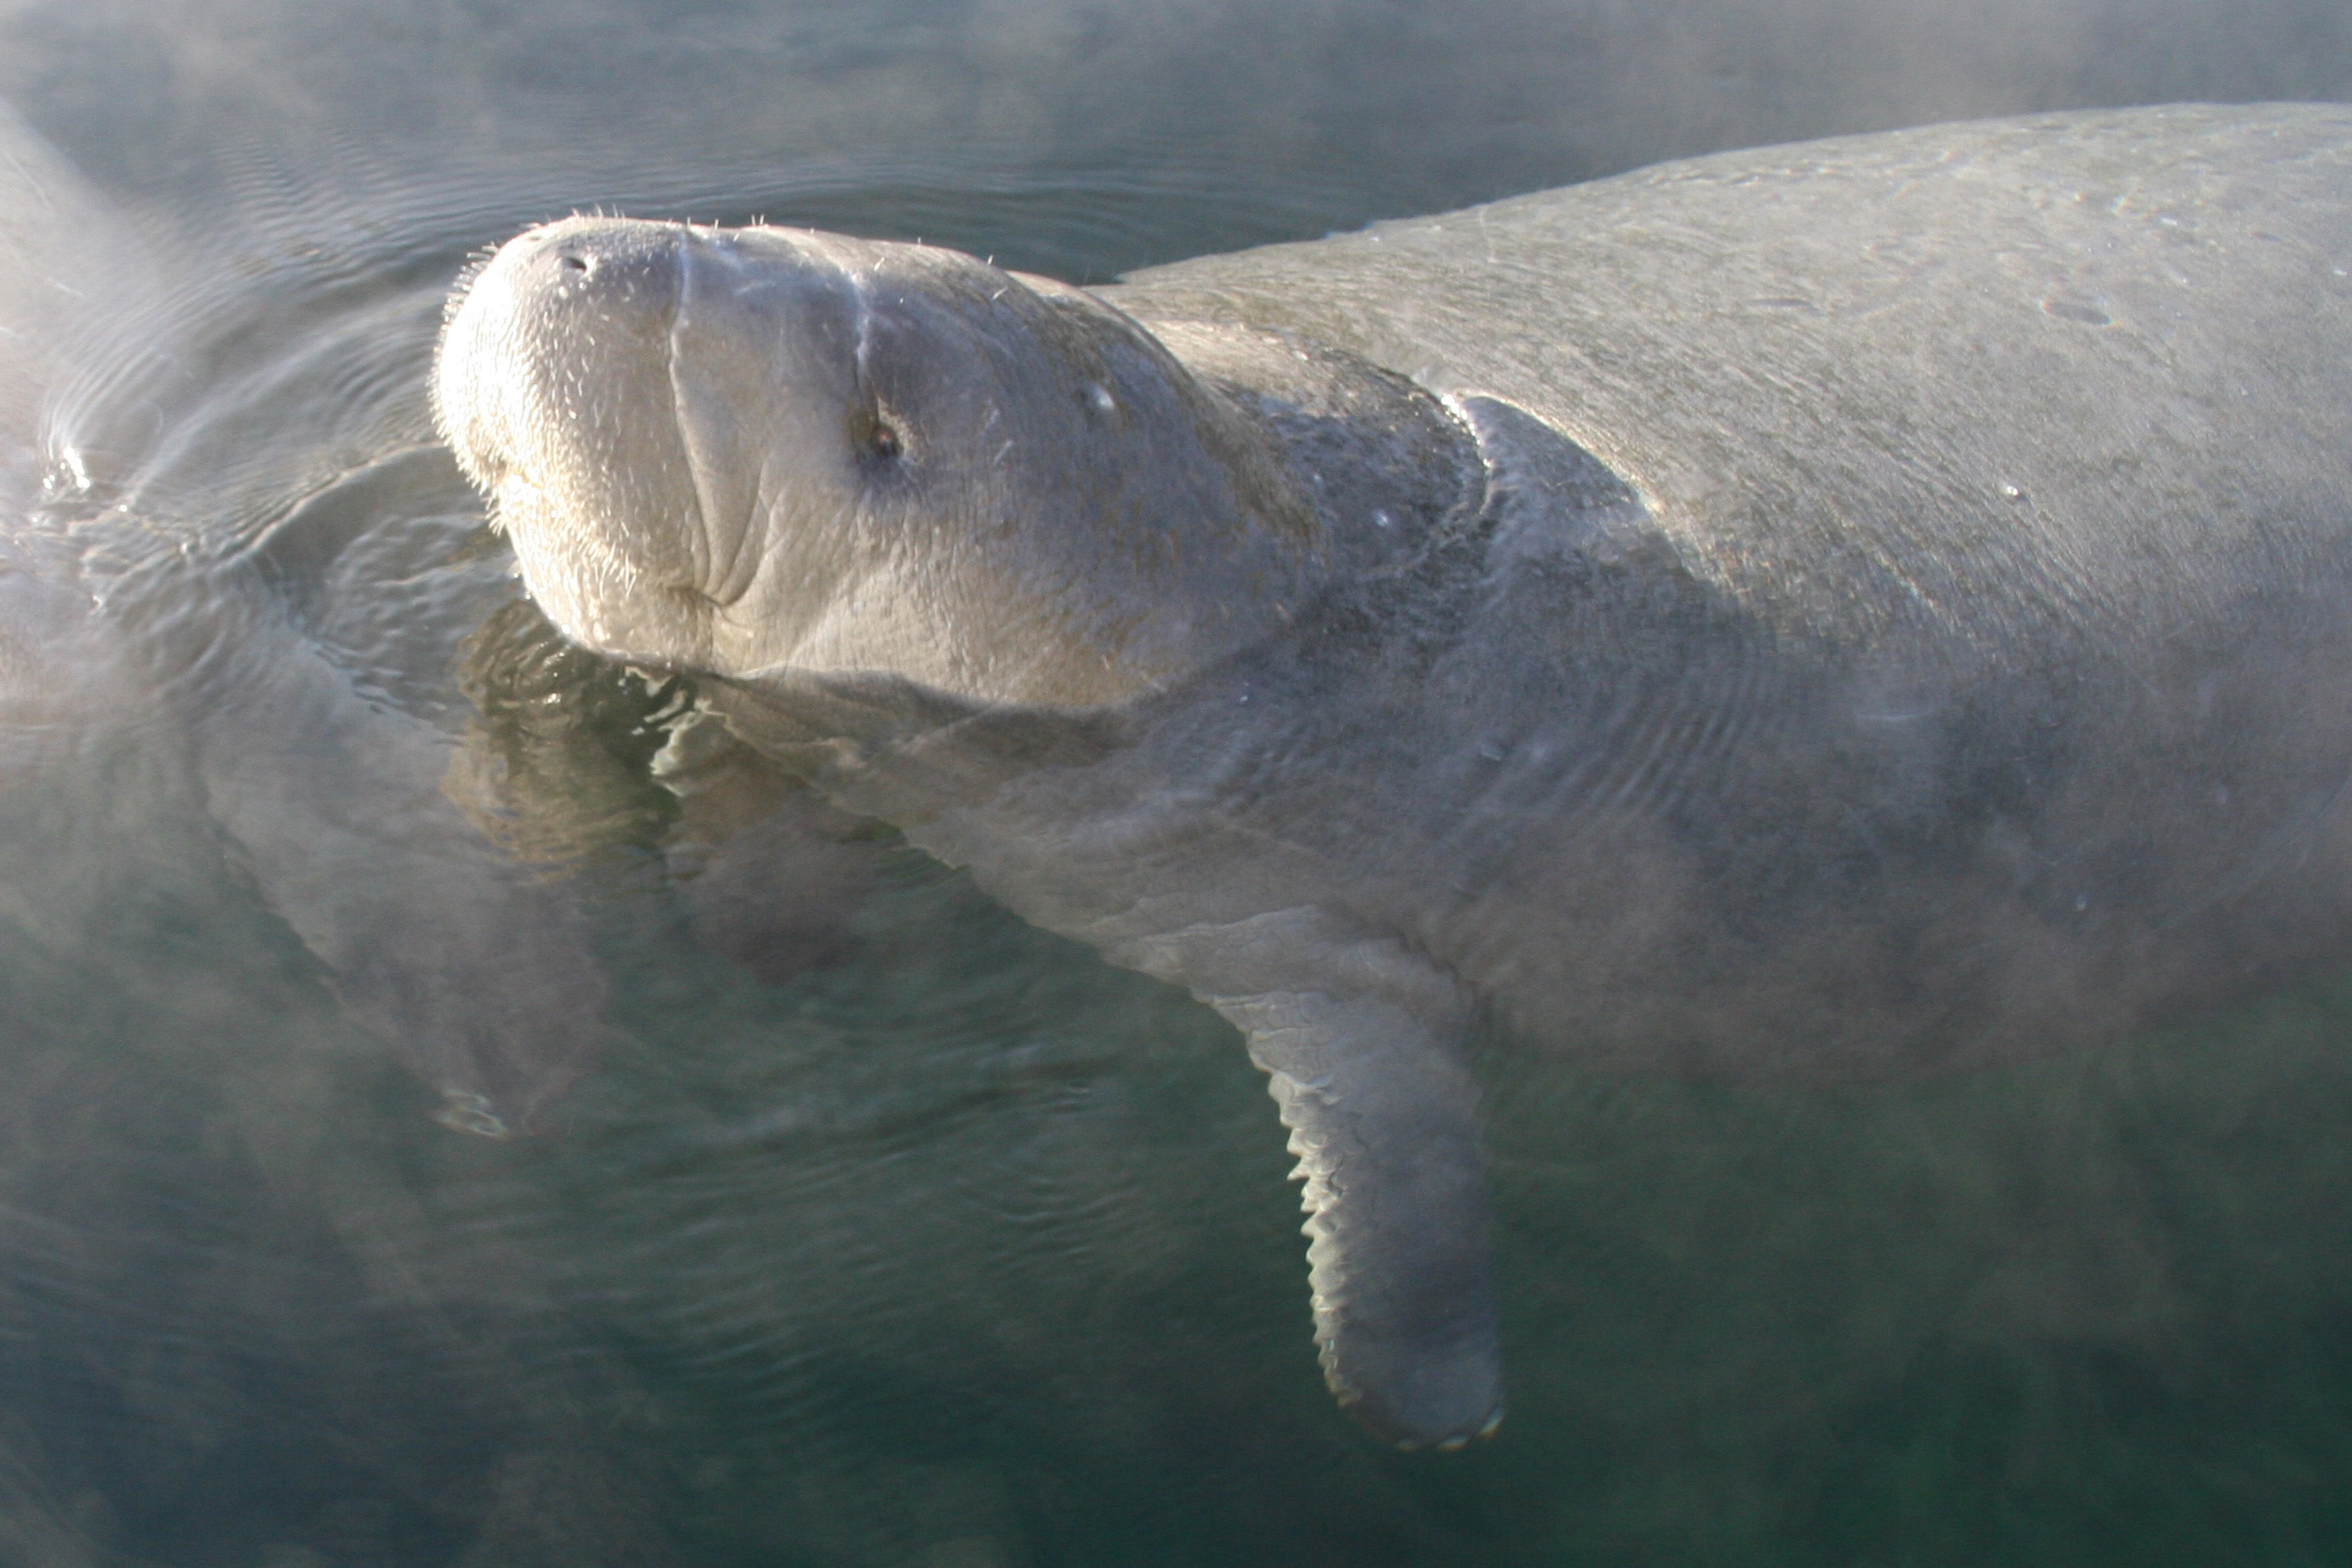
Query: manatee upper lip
point(721, 585)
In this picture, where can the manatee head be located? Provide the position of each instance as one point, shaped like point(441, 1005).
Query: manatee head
point(738, 451)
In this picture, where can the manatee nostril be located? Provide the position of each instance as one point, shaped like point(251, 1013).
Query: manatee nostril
point(574, 262)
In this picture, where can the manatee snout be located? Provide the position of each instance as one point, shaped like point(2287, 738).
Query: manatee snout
point(645, 403)
point(567, 321)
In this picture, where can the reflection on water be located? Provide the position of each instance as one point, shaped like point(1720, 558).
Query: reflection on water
point(952, 1246)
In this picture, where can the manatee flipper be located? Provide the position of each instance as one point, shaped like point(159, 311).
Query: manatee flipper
point(1359, 1038)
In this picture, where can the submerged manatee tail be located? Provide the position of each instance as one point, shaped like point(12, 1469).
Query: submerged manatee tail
point(1359, 1040)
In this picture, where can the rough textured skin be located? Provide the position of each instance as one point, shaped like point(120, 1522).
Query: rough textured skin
point(1864, 606)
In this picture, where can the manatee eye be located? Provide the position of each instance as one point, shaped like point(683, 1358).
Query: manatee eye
point(875, 438)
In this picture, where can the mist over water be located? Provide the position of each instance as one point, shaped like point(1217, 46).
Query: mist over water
point(958, 1248)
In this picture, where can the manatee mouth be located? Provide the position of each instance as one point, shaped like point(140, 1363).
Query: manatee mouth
point(665, 418)
point(559, 387)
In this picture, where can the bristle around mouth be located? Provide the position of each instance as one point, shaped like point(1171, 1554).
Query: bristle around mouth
point(477, 261)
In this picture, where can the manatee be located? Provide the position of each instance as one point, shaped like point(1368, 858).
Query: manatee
point(1864, 608)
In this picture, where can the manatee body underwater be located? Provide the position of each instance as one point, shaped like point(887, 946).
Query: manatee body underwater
point(1872, 606)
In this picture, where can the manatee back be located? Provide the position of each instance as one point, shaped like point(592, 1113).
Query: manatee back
point(1975, 385)
point(1989, 683)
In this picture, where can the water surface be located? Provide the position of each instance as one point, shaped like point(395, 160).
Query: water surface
point(966, 1250)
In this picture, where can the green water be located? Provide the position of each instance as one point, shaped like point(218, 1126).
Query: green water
point(976, 1252)
point(972, 1252)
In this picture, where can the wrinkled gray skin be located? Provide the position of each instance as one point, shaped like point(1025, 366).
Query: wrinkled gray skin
point(1865, 606)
